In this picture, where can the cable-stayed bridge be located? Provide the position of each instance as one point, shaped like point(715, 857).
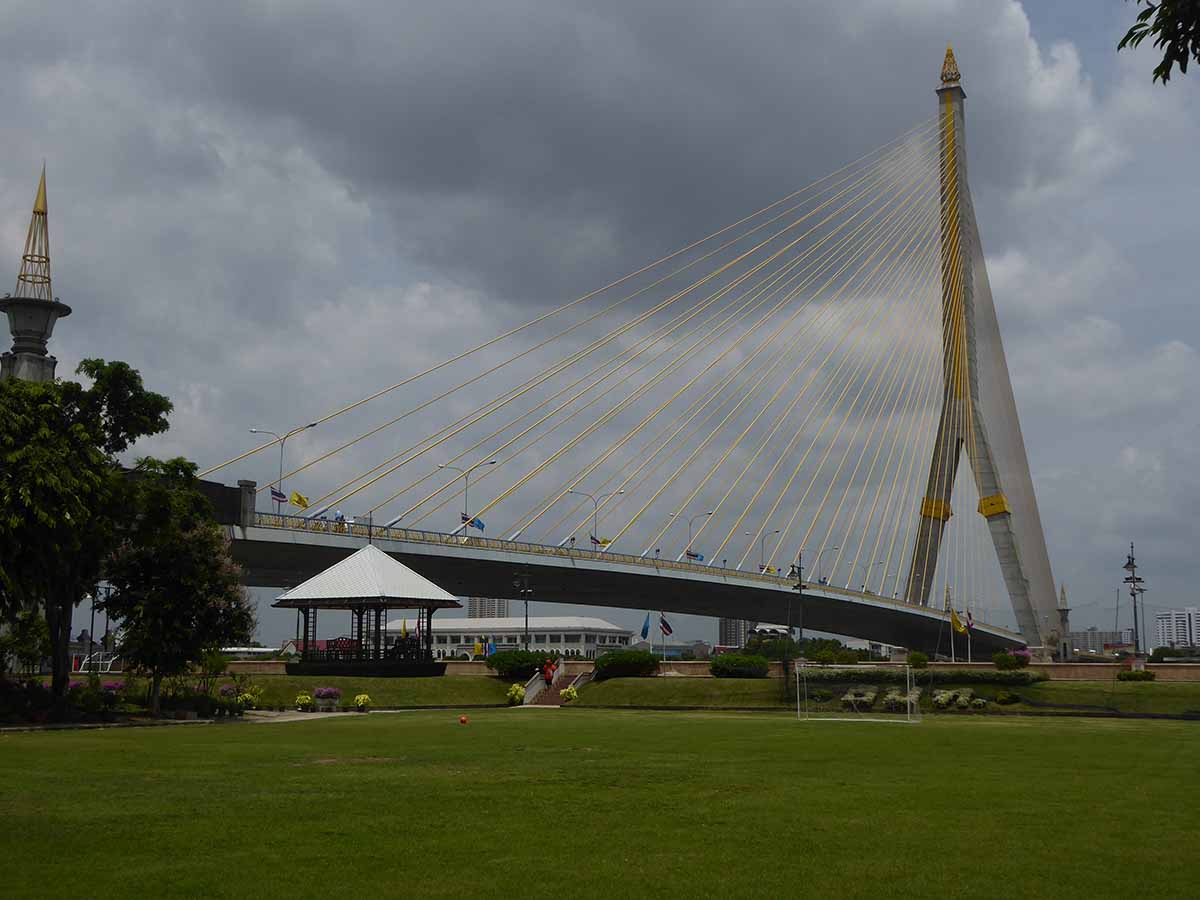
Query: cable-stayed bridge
point(816, 391)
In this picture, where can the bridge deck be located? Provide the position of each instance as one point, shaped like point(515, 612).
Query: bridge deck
point(281, 551)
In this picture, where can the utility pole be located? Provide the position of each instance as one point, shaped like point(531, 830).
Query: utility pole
point(521, 583)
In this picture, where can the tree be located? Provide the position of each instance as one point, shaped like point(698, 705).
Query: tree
point(1175, 26)
point(61, 487)
point(175, 589)
point(27, 641)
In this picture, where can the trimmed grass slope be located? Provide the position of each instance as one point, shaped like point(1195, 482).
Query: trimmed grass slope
point(652, 804)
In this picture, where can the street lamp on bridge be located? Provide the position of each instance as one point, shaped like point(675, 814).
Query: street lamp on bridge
point(466, 476)
point(596, 511)
point(691, 522)
point(762, 560)
point(282, 440)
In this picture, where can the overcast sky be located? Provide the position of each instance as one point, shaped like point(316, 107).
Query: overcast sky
point(273, 208)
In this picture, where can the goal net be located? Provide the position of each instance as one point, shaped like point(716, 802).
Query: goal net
point(857, 693)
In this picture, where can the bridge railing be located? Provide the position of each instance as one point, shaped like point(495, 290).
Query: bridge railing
point(413, 535)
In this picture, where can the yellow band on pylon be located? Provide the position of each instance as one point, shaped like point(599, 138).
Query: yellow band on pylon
point(935, 509)
point(995, 505)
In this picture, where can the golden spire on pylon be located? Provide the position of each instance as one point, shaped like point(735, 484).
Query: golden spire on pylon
point(950, 73)
point(33, 280)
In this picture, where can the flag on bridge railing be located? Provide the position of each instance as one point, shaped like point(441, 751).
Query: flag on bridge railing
point(298, 499)
point(472, 521)
point(599, 541)
point(646, 627)
point(698, 557)
point(278, 496)
point(664, 626)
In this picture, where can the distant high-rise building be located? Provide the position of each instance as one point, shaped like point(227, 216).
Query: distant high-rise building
point(486, 608)
point(1177, 628)
point(733, 632)
point(1093, 640)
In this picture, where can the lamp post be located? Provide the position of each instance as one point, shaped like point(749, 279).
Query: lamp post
point(821, 580)
point(466, 475)
point(596, 510)
point(282, 440)
point(762, 559)
point(521, 583)
point(866, 570)
point(691, 522)
point(1135, 589)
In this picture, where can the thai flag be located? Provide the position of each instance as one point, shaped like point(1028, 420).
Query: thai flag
point(664, 626)
point(970, 620)
point(472, 521)
point(278, 496)
point(698, 557)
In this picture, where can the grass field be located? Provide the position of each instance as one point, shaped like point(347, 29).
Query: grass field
point(593, 803)
point(1144, 697)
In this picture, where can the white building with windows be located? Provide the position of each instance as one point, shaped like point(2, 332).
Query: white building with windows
point(1177, 628)
point(486, 608)
point(569, 636)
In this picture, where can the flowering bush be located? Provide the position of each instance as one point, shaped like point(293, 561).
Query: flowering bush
point(516, 695)
point(250, 696)
point(304, 701)
point(860, 696)
point(328, 693)
point(228, 691)
point(112, 687)
point(362, 701)
point(955, 697)
point(568, 694)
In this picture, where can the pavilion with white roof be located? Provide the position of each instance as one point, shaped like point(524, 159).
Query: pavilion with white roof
point(369, 583)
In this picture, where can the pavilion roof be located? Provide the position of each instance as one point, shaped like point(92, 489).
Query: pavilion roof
point(368, 577)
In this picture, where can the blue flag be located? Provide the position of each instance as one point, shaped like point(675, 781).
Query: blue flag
point(471, 522)
point(646, 627)
point(698, 557)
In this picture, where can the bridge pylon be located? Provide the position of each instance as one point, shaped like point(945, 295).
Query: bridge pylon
point(979, 416)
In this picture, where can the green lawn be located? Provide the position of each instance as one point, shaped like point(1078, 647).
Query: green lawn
point(595, 803)
point(450, 690)
point(1142, 697)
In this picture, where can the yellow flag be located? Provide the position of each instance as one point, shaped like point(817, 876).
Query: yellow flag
point(478, 649)
point(298, 499)
point(956, 622)
point(404, 628)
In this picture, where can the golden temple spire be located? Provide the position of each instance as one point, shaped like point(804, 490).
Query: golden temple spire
point(950, 73)
point(33, 281)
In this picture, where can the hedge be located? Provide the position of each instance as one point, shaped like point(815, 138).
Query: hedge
point(625, 664)
point(736, 665)
point(518, 665)
point(1135, 675)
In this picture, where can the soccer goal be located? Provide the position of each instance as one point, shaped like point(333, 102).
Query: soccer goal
point(857, 693)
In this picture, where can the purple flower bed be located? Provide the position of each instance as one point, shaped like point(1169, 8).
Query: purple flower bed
point(328, 693)
point(76, 685)
point(112, 687)
point(228, 690)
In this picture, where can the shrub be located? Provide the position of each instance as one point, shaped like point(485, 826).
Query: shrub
point(328, 693)
point(568, 694)
point(892, 675)
point(362, 701)
point(1018, 659)
point(860, 696)
point(954, 697)
point(1135, 675)
point(1007, 698)
point(979, 703)
point(918, 660)
point(820, 695)
point(518, 664)
point(896, 701)
point(626, 664)
point(304, 701)
point(516, 695)
point(735, 665)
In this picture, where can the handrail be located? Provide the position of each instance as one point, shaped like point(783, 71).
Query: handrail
point(412, 535)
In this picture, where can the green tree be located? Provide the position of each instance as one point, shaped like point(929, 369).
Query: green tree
point(26, 641)
point(176, 591)
point(61, 488)
point(1175, 27)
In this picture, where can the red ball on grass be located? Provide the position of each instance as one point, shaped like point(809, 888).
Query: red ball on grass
point(462, 720)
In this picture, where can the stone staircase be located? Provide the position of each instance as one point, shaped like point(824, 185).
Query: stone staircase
point(549, 696)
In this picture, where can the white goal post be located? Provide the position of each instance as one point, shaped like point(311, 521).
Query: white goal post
point(860, 692)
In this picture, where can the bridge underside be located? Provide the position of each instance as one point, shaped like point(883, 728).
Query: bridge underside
point(282, 558)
